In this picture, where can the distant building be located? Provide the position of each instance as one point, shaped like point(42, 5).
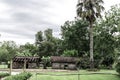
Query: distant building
point(59, 62)
point(30, 62)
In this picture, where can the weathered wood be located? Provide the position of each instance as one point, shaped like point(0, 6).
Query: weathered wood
point(64, 62)
point(58, 59)
point(21, 62)
point(24, 68)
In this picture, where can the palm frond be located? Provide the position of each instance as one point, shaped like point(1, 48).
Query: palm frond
point(89, 9)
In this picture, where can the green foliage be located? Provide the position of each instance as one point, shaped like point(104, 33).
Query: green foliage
point(21, 76)
point(107, 38)
point(89, 9)
point(8, 50)
point(3, 54)
point(117, 66)
point(46, 62)
point(24, 53)
point(27, 50)
point(75, 36)
point(48, 34)
point(39, 37)
point(70, 53)
point(84, 62)
point(47, 45)
point(3, 75)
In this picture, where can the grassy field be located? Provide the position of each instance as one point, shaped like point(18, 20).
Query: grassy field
point(62, 75)
point(3, 66)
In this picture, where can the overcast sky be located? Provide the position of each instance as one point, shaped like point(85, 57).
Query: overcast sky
point(20, 20)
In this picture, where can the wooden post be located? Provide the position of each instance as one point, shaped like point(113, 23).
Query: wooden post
point(24, 68)
point(10, 66)
point(78, 74)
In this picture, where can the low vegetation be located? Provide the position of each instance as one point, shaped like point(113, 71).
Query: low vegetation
point(2, 75)
point(118, 66)
point(22, 76)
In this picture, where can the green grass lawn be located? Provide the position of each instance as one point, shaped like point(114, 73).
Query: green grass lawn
point(3, 66)
point(61, 76)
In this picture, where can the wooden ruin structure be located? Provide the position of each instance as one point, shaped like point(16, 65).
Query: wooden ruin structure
point(59, 62)
point(20, 62)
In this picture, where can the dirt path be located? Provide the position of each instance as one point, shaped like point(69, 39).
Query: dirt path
point(16, 71)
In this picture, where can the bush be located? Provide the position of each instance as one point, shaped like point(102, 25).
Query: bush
point(46, 62)
point(70, 53)
point(22, 76)
point(117, 67)
point(3, 75)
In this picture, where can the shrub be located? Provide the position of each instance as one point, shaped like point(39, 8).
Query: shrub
point(46, 62)
point(70, 53)
point(117, 67)
point(3, 75)
point(21, 76)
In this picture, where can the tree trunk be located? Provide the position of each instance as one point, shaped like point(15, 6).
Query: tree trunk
point(91, 46)
point(10, 66)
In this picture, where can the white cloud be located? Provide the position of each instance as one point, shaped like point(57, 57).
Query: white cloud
point(20, 20)
point(108, 3)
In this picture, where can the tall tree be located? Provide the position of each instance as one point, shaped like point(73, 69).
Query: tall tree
point(39, 38)
point(48, 35)
point(90, 10)
point(10, 48)
point(74, 33)
point(47, 44)
point(107, 37)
